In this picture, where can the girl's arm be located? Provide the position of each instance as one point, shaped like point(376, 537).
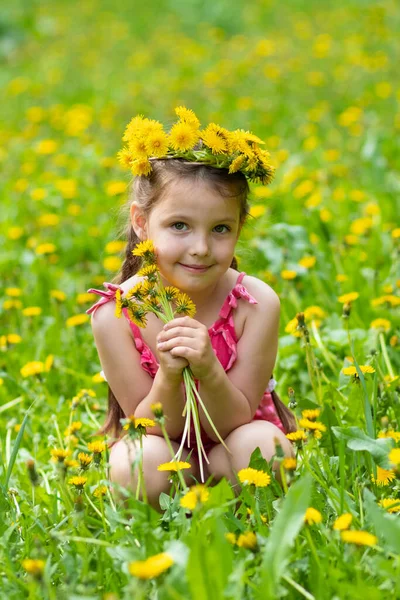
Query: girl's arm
point(134, 389)
point(232, 398)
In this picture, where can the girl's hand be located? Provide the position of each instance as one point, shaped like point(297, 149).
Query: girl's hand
point(187, 338)
point(171, 365)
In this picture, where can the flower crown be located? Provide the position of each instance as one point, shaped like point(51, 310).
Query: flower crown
point(215, 146)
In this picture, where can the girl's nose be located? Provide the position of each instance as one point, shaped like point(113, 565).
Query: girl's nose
point(200, 246)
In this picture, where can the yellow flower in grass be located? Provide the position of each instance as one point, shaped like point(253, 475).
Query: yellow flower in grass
point(114, 188)
point(312, 516)
point(255, 477)
point(307, 262)
point(383, 476)
point(184, 305)
point(59, 454)
point(140, 424)
point(101, 490)
point(389, 299)
point(152, 567)
point(343, 522)
point(75, 426)
point(231, 537)
point(392, 505)
point(78, 481)
point(350, 297)
point(45, 249)
point(394, 457)
point(174, 466)
point(247, 540)
point(311, 413)
point(360, 538)
point(297, 436)
point(96, 447)
point(77, 320)
point(395, 435)
point(84, 460)
point(58, 295)
point(71, 463)
point(289, 463)
point(183, 136)
point(287, 274)
point(98, 377)
point(112, 263)
point(32, 311)
point(315, 426)
point(196, 496)
point(353, 371)
point(380, 324)
point(37, 367)
point(34, 567)
point(14, 292)
point(147, 251)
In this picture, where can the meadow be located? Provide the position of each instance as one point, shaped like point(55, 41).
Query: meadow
point(319, 83)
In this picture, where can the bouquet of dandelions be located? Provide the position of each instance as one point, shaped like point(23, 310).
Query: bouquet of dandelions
point(166, 303)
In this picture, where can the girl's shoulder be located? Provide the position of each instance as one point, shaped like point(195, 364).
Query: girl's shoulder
point(261, 291)
point(130, 283)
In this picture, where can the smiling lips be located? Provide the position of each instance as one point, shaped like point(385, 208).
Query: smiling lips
point(195, 267)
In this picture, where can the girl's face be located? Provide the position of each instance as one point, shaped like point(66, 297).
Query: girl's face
point(194, 230)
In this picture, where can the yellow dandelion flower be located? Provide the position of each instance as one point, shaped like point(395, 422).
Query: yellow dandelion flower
point(184, 305)
point(307, 262)
point(380, 324)
point(35, 367)
point(171, 292)
point(291, 328)
point(360, 538)
point(247, 540)
point(96, 447)
point(214, 141)
point(174, 466)
point(13, 292)
point(350, 297)
point(146, 250)
point(71, 463)
point(312, 425)
point(392, 505)
point(157, 144)
point(311, 413)
point(75, 426)
point(388, 299)
point(125, 157)
point(152, 567)
point(137, 315)
point(289, 463)
point(32, 311)
point(255, 477)
point(59, 454)
point(84, 459)
point(383, 476)
point(78, 481)
point(34, 567)
point(196, 496)
point(343, 522)
point(188, 116)
point(313, 312)
point(288, 275)
point(84, 298)
point(148, 271)
point(98, 377)
point(45, 249)
point(312, 516)
point(101, 490)
point(353, 371)
point(14, 338)
point(141, 166)
point(237, 163)
point(58, 295)
point(77, 320)
point(183, 136)
point(395, 435)
point(394, 457)
point(297, 436)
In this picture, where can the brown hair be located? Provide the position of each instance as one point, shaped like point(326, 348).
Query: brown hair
point(146, 192)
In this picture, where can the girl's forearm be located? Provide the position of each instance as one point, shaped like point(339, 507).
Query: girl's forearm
point(227, 406)
point(170, 393)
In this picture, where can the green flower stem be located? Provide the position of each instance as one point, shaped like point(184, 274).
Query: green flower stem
point(168, 442)
point(385, 355)
point(310, 368)
point(312, 547)
point(140, 482)
point(326, 354)
point(96, 510)
point(91, 415)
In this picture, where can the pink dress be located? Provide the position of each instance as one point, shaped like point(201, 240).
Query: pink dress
point(223, 340)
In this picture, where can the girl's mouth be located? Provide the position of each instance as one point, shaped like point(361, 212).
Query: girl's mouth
point(194, 268)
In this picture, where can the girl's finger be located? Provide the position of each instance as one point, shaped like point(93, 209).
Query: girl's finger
point(176, 332)
point(177, 342)
point(183, 322)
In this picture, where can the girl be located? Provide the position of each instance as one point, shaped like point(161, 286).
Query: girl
point(193, 213)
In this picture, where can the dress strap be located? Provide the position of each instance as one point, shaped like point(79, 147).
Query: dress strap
point(239, 291)
point(106, 296)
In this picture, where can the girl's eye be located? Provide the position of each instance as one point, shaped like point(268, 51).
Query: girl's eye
point(178, 226)
point(226, 227)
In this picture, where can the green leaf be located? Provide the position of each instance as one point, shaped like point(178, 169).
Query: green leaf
point(284, 530)
point(16, 448)
point(387, 526)
point(359, 441)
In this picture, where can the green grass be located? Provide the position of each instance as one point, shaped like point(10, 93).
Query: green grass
point(318, 83)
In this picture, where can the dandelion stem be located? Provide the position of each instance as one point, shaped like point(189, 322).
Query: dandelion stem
point(385, 355)
point(170, 448)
